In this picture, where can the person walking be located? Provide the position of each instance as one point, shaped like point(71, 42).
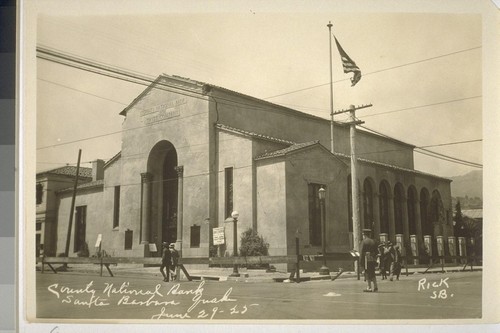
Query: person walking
point(381, 261)
point(396, 264)
point(174, 255)
point(368, 259)
point(166, 260)
point(388, 258)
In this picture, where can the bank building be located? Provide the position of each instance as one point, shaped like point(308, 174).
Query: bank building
point(192, 153)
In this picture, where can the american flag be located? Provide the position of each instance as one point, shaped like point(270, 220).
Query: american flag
point(349, 65)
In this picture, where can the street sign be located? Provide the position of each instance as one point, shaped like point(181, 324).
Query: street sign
point(218, 235)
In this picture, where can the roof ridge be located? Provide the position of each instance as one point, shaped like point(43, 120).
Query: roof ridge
point(284, 151)
point(69, 170)
point(253, 134)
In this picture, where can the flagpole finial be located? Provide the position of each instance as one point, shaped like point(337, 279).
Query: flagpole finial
point(329, 25)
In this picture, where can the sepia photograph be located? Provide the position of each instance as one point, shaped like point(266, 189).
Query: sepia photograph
point(254, 163)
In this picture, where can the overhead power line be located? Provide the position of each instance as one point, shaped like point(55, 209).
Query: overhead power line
point(137, 78)
point(97, 68)
point(435, 154)
point(423, 106)
point(374, 72)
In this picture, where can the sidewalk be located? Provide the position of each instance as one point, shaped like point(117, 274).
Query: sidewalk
point(246, 275)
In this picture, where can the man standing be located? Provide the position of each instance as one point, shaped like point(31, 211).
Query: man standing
point(165, 262)
point(368, 260)
point(174, 255)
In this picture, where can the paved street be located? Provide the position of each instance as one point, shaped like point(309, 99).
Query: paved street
point(84, 296)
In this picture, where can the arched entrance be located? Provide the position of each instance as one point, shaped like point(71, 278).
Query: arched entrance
point(368, 204)
point(437, 214)
point(384, 206)
point(424, 216)
point(412, 210)
point(162, 163)
point(399, 201)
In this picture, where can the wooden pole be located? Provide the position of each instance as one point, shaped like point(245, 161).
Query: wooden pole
point(329, 25)
point(71, 213)
point(356, 227)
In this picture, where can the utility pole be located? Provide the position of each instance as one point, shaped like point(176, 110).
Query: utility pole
point(356, 222)
point(68, 238)
point(329, 25)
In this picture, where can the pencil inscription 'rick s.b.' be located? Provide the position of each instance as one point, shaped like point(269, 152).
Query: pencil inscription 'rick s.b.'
point(439, 288)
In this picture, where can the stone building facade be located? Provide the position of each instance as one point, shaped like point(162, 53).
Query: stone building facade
point(193, 152)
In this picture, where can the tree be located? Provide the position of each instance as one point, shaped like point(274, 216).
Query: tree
point(458, 225)
point(252, 244)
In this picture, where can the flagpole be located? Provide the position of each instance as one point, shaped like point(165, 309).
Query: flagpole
point(329, 25)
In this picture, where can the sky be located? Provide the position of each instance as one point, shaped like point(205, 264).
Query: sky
point(422, 72)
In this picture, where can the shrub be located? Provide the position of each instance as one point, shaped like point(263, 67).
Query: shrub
point(84, 251)
point(252, 244)
point(212, 251)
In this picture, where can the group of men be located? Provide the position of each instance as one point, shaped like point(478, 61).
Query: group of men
point(386, 256)
point(169, 261)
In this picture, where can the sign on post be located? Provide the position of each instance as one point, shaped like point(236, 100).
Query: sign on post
point(98, 241)
point(152, 247)
point(218, 234)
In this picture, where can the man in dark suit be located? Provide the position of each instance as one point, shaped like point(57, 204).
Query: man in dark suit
point(166, 261)
point(368, 259)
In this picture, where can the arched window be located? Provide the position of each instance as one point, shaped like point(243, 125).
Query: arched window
point(384, 207)
point(398, 208)
point(412, 212)
point(424, 215)
point(368, 204)
point(437, 213)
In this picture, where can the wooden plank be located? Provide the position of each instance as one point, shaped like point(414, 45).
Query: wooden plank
point(329, 256)
point(71, 260)
point(185, 272)
point(52, 268)
point(253, 260)
point(187, 261)
point(109, 270)
point(128, 260)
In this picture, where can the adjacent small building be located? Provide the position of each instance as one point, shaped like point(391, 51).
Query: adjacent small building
point(193, 152)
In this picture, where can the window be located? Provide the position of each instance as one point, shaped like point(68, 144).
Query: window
point(128, 239)
point(39, 193)
point(314, 214)
point(228, 191)
point(116, 209)
point(368, 205)
point(80, 228)
point(195, 236)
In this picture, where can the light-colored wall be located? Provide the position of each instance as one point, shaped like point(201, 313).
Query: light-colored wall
point(235, 151)
point(95, 221)
point(47, 211)
point(316, 165)
point(186, 128)
point(271, 204)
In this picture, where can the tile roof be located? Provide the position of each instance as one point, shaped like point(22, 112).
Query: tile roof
point(253, 134)
point(391, 166)
point(284, 151)
point(297, 146)
point(69, 171)
point(96, 183)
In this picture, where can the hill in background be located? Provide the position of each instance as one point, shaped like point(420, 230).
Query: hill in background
point(470, 184)
point(468, 189)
